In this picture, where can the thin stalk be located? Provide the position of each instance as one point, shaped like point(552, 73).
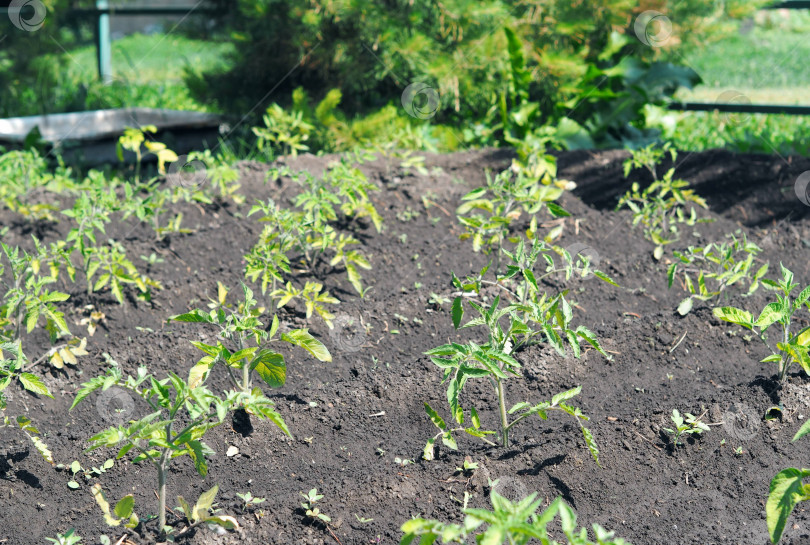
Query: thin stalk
point(785, 357)
point(499, 285)
point(245, 368)
point(161, 467)
point(502, 409)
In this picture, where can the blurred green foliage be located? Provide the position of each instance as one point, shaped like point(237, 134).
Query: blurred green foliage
point(524, 73)
point(29, 76)
point(500, 69)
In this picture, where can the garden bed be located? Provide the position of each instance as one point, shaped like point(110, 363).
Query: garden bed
point(352, 417)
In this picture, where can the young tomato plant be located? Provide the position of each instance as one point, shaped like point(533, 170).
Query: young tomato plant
point(27, 302)
point(181, 412)
point(353, 187)
point(313, 296)
point(790, 347)
point(223, 177)
point(13, 369)
point(243, 344)
point(285, 132)
point(688, 424)
point(662, 205)
point(26, 176)
point(113, 268)
point(134, 140)
point(533, 314)
point(147, 202)
point(787, 490)
point(103, 263)
point(509, 523)
point(494, 361)
point(718, 266)
point(300, 238)
point(488, 212)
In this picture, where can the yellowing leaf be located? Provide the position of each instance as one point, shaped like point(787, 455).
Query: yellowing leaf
point(197, 374)
point(98, 493)
point(271, 367)
point(67, 356)
point(56, 360)
point(204, 503)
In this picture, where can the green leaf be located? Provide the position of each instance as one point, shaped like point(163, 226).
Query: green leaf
point(518, 407)
point(591, 442)
point(87, 388)
point(474, 418)
point(602, 276)
point(785, 492)
point(196, 375)
point(434, 416)
point(565, 396)
point(770, 314)
point(802, 298)
point(449, 441)
point(457, 311)
point(124, 507)
point(685, 306)
point(556, 210)
point(271, 367)
point(302, 338)
point(671, 274)
point(194, 316)
point(226, 521)
point(34, 384)
point(453, 391)
point(54, 297)
point(429, 452)
point(804, 430)
point(196, 450)
point(735, 316)
point(185, 507)
point(31, 319)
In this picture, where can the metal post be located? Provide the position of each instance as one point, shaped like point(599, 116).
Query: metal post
point(103, 45)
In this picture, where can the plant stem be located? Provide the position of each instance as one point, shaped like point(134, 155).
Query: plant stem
point(161, 467)
point(502, 408)
point(245, 367)
point(785, 364)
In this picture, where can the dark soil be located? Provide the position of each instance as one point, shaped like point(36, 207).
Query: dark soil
point(369, 400)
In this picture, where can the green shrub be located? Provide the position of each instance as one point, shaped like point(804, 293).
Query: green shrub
point(577, 67)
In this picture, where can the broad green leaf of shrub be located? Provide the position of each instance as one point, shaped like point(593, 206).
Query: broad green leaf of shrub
point(786, 491)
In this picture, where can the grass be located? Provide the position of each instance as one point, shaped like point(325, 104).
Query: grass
point(153, 58)
point(147, 72)
point(768, 56)
point(765, 62)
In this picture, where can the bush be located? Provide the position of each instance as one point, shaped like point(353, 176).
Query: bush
point(580, 61)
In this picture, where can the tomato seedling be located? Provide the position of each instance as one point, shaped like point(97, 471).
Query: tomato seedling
point(718, 266)
point(508, 523)
point(239, 327)
point(181, 414)
point(688, 424)
point(790, 348)
point(787, 490)
point(665, 203)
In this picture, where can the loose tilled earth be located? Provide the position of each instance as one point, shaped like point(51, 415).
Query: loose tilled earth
point(370, 398)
